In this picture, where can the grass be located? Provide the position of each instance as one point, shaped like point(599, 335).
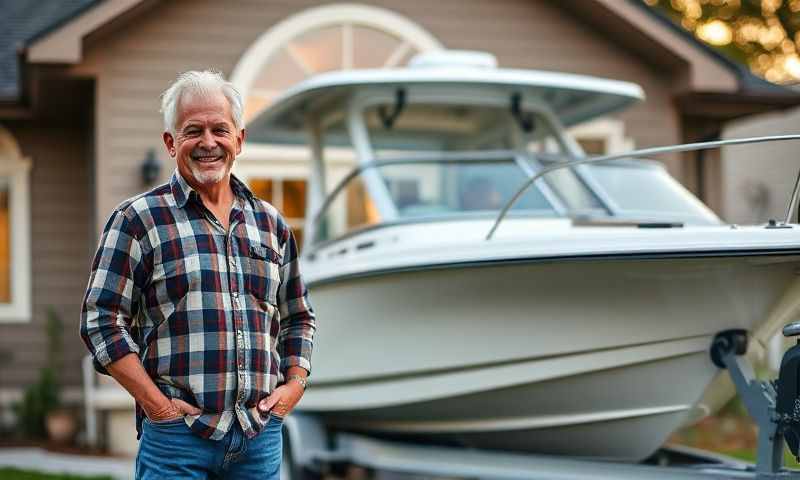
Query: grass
point(730, 432)
point(7, 473)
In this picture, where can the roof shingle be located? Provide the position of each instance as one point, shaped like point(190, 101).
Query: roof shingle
point(22, 21)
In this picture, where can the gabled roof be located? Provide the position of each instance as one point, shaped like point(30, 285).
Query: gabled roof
point(22, 22)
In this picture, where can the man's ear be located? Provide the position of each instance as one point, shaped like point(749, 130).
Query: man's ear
point(169, 142)
point(240, 141)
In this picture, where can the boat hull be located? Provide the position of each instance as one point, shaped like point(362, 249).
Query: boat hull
point(599, 358)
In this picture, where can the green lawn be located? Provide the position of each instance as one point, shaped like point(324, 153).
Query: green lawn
point(15, 474)
point(730, 432)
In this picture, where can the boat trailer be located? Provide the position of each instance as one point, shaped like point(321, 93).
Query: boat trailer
point(773, 404)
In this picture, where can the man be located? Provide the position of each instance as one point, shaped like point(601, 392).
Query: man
point(195, 302)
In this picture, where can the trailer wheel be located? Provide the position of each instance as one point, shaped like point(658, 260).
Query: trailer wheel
point(290, 470)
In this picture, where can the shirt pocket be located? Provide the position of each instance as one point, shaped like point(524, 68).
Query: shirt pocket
point(263, 273)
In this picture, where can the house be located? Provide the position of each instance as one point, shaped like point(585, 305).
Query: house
point(759, 182)
point(79, 99)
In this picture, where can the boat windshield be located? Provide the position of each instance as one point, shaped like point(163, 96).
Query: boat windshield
point(432, 190)
point(643, 190)
point(434, 161)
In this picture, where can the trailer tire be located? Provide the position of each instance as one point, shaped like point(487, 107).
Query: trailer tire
point(290, 470)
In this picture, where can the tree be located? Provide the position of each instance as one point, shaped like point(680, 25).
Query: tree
point(763, 34)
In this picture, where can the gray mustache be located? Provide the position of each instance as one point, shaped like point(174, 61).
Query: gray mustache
point(199, 152)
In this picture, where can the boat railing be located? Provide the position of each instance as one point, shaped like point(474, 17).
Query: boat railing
point(650, 151)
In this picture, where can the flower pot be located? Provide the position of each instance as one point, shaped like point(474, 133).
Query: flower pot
point(61, 426)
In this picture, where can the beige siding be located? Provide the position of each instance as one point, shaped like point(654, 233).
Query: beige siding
point(136, 63)
point(759, 178)
point(61, 240)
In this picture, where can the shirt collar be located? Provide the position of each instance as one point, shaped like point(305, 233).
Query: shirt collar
point(182, 191)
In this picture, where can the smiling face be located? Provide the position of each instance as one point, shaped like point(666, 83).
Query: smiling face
point(206, 140)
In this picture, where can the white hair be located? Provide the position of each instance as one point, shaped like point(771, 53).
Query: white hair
point(205, 82)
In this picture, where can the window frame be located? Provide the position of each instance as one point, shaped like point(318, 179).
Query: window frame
point(270, 42)
point(17, 168)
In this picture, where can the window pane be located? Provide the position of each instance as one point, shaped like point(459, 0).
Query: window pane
point(593, 146)
point(298, 237)
point(361, 211)
point(440, 190)
point(5, 242)
point(351, 210)
point(564, 182)
point(646, 193)
point(280, 73)
point(372, 47)
point(261, 188)
point(319, 50)
point(294, 198)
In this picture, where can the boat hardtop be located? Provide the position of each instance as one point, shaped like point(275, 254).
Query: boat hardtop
point(573, 98)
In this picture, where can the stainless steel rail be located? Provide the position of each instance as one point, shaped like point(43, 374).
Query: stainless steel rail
point(686, 147)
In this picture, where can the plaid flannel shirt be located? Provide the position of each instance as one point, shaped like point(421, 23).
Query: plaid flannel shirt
point(216, 317)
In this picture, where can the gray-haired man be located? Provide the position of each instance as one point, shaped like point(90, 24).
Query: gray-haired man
point(196, 305)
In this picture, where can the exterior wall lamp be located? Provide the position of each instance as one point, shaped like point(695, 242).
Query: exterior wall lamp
point(151, 168)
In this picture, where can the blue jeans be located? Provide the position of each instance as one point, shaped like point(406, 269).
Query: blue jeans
point(171, 450)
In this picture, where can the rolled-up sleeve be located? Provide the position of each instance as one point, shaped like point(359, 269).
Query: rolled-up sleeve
point(298, 321)
point(112, 296)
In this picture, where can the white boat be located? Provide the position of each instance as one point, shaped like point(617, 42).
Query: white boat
point(580, 327)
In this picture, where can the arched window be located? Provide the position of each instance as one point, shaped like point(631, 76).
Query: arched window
point(318, 40)
point(15, 281)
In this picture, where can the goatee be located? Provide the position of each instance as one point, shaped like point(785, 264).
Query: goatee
point(205, 177)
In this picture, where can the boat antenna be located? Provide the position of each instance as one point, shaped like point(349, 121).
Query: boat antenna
point(524, 119)
point(388, 118)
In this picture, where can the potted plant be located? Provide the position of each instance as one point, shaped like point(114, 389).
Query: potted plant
point(40, 412)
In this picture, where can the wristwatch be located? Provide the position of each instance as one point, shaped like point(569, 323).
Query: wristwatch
point(300, 379)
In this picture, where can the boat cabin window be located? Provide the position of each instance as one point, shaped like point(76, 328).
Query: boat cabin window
point(643, 190)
